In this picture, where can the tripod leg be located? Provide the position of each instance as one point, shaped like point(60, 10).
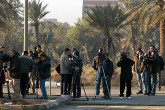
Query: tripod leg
point(106, 83)
point(74, 84)
point(8, 88)
point(84, 89)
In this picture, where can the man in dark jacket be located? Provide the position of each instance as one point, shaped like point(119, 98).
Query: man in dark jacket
point(3, 65)
point(108, 70)
point(44, 69)
point(14, 72)
point(152, 70)
point(77, 69)
point(25, 67)
point(126, 74)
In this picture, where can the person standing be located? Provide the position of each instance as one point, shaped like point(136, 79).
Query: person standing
point(96, 64)
point(44, 72)
point(77, 70)
point(108, 70)
point(3, 65)
point(137, 67)
point(66, 74)
point(126, 74)
point(152, 70)
point(14, 72)
point(25, 68)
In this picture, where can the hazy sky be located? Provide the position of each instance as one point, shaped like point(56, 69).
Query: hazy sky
point(64, 10)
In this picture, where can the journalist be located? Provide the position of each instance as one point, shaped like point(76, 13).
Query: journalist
point(44, 72)
point(25, 68)
point(137, 68)
point(126, 74)
point(108, 70)
point(77, 69)
point(3, 65)
point(14, 73)
point(66, 74)
point(97, 63)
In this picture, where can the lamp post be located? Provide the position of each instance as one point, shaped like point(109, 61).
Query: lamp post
point(26, 25)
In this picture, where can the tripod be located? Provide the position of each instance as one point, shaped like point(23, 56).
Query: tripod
point(75, 74)
point(100, 68)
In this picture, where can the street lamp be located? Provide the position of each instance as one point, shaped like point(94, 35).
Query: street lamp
point(26, 25)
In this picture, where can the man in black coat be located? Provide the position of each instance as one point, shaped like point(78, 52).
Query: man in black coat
point(126, 74)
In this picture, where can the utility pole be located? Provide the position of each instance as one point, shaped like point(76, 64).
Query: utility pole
point(26, 25)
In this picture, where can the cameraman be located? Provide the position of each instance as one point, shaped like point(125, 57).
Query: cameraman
point(96, 64)
point(139, 72)
point(126, 74)
point(77, 69)
point(108, 69)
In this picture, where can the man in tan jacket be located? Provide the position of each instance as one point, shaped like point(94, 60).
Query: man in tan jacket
point(65, 71)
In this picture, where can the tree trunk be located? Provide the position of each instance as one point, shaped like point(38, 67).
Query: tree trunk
point(162, 38)
point(133, 39)
point(107, 44)
point(36, 32)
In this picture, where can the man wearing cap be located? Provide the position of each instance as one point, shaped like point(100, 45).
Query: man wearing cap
point(65, 70)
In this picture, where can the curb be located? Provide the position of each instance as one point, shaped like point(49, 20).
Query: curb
point(43, 106)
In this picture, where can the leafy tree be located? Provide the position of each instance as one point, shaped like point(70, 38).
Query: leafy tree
point(36, 12)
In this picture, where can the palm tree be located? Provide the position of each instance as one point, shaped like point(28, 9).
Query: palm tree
point(125, 6)
point(106, 19)
point(149, 14)
point(36, 13)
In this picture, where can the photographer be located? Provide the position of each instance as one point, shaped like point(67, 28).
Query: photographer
point(126, 74)
point(139, 72)
point(14, 72)
point(44, 69)
point(108, 69)
point(3, 65)
point(77, 69)
point(66, 74)
point(96, 64)
point(25, 68)
point(151, 62)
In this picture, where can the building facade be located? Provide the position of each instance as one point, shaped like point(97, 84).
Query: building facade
point(88, 4)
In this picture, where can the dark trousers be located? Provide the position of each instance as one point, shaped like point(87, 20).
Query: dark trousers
point(122, 88)
point(24, 80)
point(76, 84)
point(66, 80)
point(2, 81)
point(1, 90)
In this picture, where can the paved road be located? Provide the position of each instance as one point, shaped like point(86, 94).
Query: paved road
point(101, 107)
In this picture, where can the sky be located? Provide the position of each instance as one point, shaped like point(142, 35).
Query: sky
point(64, 10)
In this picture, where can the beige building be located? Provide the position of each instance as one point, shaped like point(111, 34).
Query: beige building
point(88, 4)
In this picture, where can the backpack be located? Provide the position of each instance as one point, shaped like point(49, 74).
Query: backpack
point(161, 63)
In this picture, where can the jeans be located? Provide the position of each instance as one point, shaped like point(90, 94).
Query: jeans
point(43, 88)
point(105, 89)
point(24, 83)
point(99, 75)
point(122, 87)
point(152, 87)
point(142, 81)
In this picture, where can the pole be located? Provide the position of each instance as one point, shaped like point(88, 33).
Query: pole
point(50, 73)
point(26, 25)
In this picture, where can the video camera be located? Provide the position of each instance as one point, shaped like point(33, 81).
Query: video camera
point(101, 58)
point(74, 64)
